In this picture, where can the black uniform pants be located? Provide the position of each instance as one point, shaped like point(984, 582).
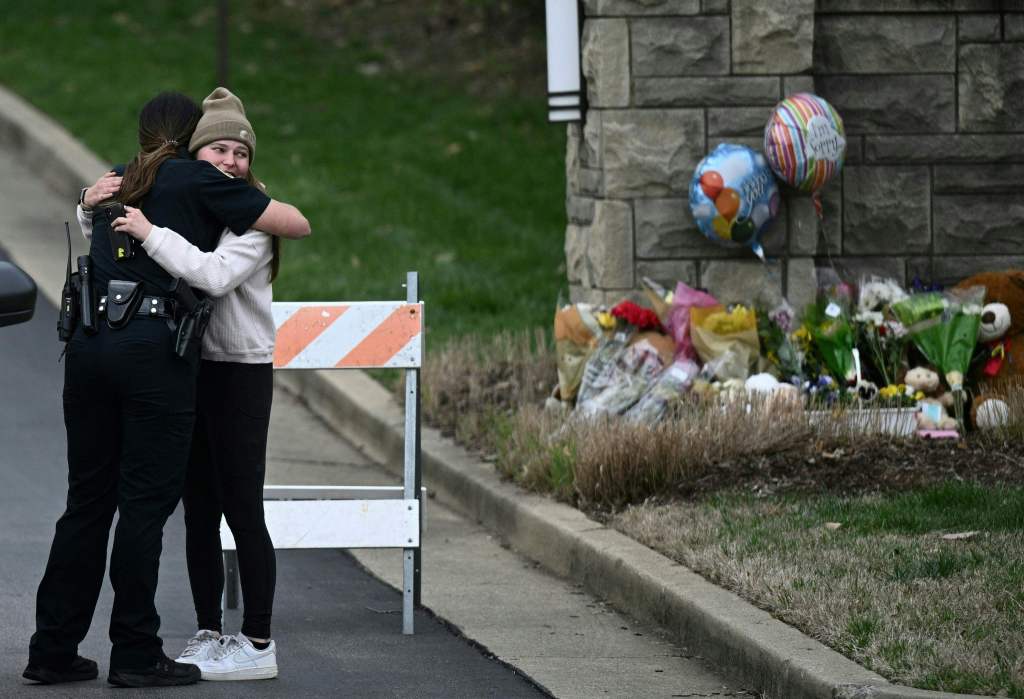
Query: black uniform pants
point(225, 476)
point(129, 408)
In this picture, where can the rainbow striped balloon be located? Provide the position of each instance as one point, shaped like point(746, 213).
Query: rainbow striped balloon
point(804, 141)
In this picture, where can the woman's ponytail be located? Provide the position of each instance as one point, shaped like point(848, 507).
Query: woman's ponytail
point(165, 124)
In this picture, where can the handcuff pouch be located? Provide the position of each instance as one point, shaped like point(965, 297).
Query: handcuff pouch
point(123, 300)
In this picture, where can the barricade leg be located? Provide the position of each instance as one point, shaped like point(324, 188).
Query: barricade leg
point(408, 556)
point(412, 558)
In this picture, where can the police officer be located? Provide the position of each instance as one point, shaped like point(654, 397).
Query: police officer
point(129, 408)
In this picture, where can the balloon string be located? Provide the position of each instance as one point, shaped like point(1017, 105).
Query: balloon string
point(816, 198)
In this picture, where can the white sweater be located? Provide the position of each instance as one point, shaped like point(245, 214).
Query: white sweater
point(236, 274)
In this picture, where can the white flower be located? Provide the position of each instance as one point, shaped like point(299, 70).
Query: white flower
point(876, 294)
point(873, 317)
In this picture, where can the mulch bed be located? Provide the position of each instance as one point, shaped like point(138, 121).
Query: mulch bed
point(879, 466)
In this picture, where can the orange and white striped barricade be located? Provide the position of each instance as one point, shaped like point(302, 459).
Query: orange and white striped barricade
point(357, 335)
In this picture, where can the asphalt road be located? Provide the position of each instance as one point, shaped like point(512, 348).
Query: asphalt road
point(338, 627)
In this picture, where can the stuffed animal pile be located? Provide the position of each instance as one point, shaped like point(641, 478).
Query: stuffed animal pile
point(1000, 336)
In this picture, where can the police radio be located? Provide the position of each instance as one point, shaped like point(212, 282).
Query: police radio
point(86, 301)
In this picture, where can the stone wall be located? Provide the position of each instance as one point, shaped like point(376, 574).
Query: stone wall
point(932, 95)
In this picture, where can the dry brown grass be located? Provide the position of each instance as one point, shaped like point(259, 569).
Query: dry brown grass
point(473, 386)
point(606, 463)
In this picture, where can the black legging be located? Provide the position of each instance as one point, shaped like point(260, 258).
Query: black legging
point(225, 475)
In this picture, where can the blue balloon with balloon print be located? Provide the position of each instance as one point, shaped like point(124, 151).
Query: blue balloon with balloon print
point(733, 196)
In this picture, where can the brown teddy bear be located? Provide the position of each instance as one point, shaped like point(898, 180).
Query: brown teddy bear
point(1005, 365)
point(931, 411)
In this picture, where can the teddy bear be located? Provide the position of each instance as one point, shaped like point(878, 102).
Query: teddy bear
point(931, 411)
point(1002, 326)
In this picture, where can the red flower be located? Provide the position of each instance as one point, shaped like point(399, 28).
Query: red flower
point(642, 318)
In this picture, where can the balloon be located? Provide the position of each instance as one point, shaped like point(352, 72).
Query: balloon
point(711, 184)
point(804, 141)
point(746, 197)
point(743, 230)
point(722, 227)
point(728, 203)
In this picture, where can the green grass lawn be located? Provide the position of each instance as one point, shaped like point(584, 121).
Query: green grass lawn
point(395, 172)
point(884, 587)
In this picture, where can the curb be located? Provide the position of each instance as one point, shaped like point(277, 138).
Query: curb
point(764, 652)
point(64, 163)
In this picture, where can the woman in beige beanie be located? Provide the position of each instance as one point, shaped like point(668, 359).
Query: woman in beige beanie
point(227, 463)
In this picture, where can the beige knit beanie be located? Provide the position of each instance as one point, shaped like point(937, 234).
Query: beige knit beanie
point(223, 117)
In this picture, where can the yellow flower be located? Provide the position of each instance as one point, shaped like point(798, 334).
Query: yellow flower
point(919, 395)
point(606, 320)
point(890, 391)
point(726, 323)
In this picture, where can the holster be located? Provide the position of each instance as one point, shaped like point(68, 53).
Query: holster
point(123, 299)
point(192, 323)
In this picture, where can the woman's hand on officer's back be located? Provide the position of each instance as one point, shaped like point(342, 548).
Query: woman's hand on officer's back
point(104, 188)
point(134, 224)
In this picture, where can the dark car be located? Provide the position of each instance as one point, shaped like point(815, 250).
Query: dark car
point(17, 295)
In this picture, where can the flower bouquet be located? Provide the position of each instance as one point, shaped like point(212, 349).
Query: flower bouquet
point(631, 371)
point(828, 322)
point(677, 317)
point(944, 327)
point(618, 372)
point(577, 333)
point(666, 391)
point(776, 324)
point(726, 339)
point(884, 337)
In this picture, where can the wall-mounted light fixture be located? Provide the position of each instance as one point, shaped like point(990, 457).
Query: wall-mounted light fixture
point(565, 101)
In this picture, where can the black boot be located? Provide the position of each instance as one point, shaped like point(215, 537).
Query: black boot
point(164, 673)
point(79, 670)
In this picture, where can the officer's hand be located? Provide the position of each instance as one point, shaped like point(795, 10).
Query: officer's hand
point(134, 224)
point(104, 188)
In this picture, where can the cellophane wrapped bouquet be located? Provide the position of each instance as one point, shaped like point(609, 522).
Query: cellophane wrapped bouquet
point(944, 327)
point(618, 372)
point(726, 339)
point(577, 334)
point(881, 335)
point(776, 325)
point(829, 324)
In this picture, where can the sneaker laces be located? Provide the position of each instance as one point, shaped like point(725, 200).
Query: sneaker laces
point(227, 645)
point(196, 643)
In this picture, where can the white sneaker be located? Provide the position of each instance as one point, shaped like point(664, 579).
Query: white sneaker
point(200, 647)
point(237, 659)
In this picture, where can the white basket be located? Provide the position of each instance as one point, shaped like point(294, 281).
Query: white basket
point(899, 422)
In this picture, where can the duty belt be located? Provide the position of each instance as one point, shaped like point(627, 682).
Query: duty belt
point(151, 307)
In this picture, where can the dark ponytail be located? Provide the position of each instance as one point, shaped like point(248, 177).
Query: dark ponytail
point(166, 124)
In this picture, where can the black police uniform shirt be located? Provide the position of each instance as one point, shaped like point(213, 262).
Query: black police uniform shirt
point(192, 198)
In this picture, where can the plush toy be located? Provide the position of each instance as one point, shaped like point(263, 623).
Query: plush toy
point(1002, 334)
point(989, 410)
point(931, 410)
